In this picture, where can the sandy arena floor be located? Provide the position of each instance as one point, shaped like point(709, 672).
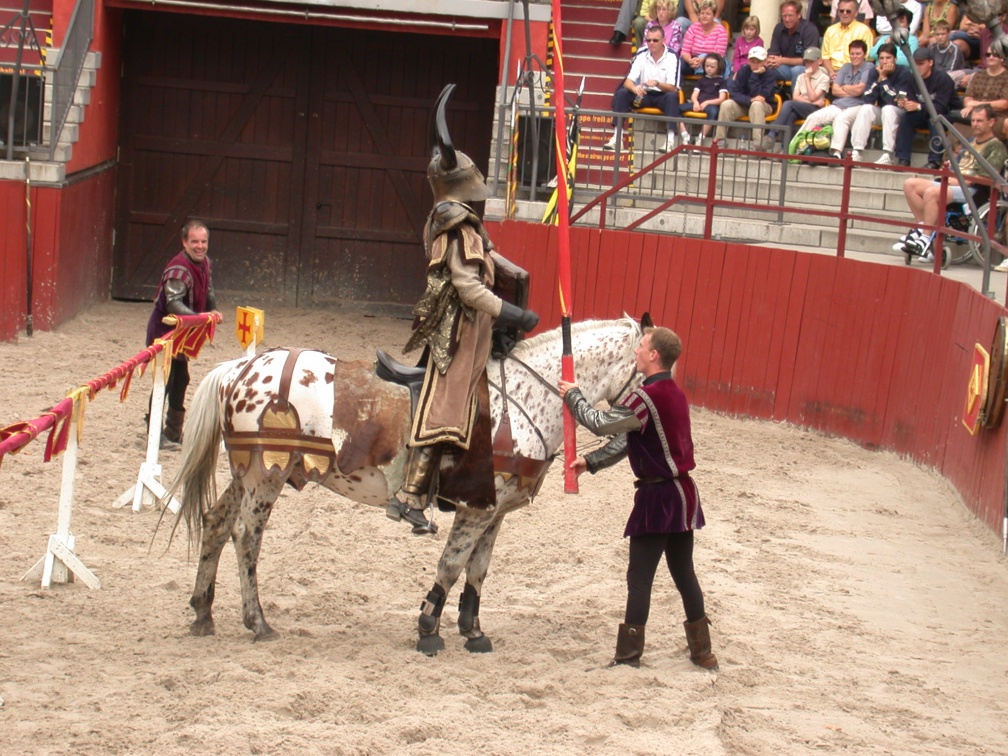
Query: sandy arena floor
point(857, 606)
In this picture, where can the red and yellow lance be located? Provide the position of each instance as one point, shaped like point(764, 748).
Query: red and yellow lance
point(563, 246)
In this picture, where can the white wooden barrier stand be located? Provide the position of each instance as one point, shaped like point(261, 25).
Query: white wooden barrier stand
point(148, 488)
point(60, 564)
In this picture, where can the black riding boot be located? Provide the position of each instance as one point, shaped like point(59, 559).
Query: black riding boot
point(409, 502)
point(173, 425)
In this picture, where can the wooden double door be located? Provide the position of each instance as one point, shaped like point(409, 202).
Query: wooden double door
point(303, 148)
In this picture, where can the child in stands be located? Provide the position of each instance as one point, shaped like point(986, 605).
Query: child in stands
point(708, 94)
point(947, 55)
point(750, 38)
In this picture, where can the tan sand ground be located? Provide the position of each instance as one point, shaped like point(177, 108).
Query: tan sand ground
point(857, 606)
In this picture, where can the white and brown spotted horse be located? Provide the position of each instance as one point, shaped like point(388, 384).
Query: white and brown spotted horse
point(292, 416)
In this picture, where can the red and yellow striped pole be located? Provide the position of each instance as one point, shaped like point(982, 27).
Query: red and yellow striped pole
point(563, 246)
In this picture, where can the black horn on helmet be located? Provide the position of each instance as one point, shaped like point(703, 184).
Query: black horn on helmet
point(452, 174)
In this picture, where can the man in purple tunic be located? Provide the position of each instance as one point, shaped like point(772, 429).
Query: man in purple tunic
point(185, 289)
point(652, 427)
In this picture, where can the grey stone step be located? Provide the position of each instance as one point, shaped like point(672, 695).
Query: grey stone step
point(39, 171)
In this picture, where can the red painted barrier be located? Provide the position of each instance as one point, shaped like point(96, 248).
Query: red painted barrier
point(878, 354)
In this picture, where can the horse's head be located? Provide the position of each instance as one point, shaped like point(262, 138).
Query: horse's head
point(604, 353)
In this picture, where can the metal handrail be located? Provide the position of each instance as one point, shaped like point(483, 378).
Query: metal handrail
point(68, 67)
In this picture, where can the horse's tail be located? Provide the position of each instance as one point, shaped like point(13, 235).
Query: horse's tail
point(200, 444)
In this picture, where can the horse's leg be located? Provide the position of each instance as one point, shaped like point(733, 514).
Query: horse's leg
point(217, 522)
point(469, 603)
point(256, 506)
point(466, 530)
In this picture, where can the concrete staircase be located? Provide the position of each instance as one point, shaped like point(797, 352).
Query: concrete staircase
point(42, 169)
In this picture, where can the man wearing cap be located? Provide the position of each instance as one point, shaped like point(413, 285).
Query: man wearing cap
point(838, 38)
point(749, 93)
point(791, 38)
point(943, 94)
point(808, 94)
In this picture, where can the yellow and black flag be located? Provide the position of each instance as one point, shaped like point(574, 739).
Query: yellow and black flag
point(551, 216)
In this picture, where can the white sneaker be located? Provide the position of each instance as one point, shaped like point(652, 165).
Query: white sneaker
point(835, 154)
point(885, 159)
point(668, 145)
point(855, 156)
point(911, 235)
point(611, 144)
point(1002, 266)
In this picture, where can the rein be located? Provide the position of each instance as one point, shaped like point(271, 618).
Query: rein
point(502, 390)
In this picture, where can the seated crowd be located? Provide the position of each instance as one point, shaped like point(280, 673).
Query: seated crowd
point(851, 80)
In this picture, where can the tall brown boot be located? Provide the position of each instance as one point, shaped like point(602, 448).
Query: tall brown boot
point(629, 645)
point(409, 501)
point(173, 425)
point(698, 639)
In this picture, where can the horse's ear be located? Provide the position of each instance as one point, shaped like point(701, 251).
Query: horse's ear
point(645, 321)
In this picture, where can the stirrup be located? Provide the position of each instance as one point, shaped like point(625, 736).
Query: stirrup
point(400, 510)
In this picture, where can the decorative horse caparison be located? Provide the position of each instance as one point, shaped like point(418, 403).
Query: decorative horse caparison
point(305, 416)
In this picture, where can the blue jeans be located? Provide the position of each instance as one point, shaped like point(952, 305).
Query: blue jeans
point(790, 73)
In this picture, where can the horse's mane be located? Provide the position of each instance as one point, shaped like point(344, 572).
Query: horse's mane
point(547, 340)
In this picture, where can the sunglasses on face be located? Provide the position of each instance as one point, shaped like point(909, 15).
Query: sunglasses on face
point(844, 11)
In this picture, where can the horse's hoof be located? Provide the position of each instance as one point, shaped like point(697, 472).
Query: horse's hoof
point(202, 628)
point(429, 645)
point(267, 634)
point(480, 645)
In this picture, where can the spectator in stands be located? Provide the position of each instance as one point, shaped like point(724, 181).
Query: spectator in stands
point(935, 12)
point(706, 36)
point(984, 39)
point(916, 11)
point(750, 38)
point(750, 93)
point(838, 38)
point(627, 13)
point(690, 13)
point(789, 41)
point(849, 87)
point(902, 19)
point(884, 99)
point(653, 82)
point(947, 55)
point(864, 12)
point(987, 87)
point(924, 195)
point(944, 97)
point(662, 13)
point(967, 37)
point(710, 91)
point(808, 94)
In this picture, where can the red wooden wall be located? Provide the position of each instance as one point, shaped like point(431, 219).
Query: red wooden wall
point(71, 251)
point(875, 353)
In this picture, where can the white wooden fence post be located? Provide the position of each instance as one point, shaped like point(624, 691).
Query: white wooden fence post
point(60, 563)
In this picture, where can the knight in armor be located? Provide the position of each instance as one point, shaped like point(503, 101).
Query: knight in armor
point(185, 289)
point(454, 320)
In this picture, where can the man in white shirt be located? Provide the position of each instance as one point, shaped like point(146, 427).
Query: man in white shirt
point(653, 82)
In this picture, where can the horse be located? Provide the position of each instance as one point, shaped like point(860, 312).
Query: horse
point(298, 416)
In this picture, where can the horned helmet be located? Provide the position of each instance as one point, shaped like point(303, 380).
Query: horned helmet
point(452, 174)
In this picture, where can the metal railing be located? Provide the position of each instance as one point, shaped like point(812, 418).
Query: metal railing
point(22, 91)
point(68, 67)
